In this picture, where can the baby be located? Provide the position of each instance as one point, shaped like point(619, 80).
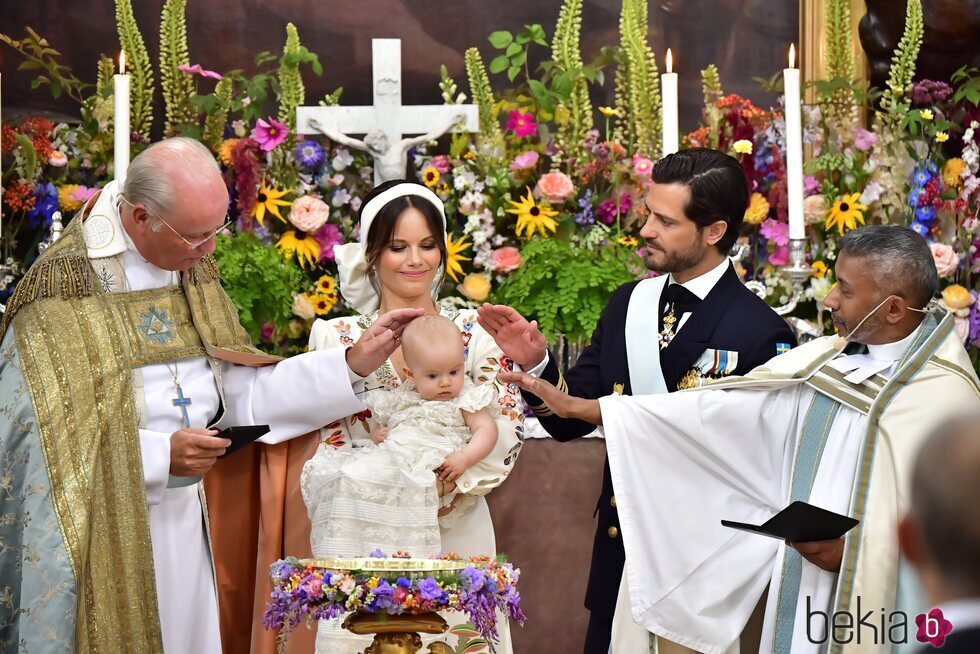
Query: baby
point(384, 496)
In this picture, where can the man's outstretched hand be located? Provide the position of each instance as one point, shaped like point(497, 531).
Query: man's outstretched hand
point(377, 343)
point(517, 338)
point(563, 404)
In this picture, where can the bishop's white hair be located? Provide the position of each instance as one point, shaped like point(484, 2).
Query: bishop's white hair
point(146, 180)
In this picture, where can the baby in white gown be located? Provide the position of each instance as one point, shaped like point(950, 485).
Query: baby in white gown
point(384, 496)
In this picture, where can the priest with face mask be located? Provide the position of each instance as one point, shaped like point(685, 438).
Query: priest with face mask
point(835, 423)
point(121, 359)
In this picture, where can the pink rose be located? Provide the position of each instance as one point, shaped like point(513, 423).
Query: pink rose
point(506, 259)
point(441, 163)
point(555, 186)
point(864, 140)
point(947, 261)
point(309, 213)
point(525, 160)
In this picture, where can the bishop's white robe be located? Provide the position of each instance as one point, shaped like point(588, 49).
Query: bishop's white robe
point(682, 463)
point(294, 397)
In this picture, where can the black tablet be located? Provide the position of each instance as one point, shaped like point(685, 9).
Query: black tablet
point(241, 436)
point(800, 523)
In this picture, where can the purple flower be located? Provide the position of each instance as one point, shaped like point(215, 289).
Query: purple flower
point(45, 204)
point(269, 134)
point(929, 92)
point(402, 582)
point(974, 318)
point(608, 208)
point(915, 196)
point(196, 69)
point(925, 214)
point(309, 154)
point(922, 176)
point(376, 554)
point(429, 589)
point(328, 236)
point(810, 185)
point(282, 570)
point(472, 578)
point(586, 216)
point(920, 229)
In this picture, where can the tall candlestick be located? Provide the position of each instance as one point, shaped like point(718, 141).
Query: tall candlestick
point(668, 94)
point(120, 89)
point(1, 195)
point(794, 147)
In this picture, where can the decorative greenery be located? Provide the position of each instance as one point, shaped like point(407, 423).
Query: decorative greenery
point(291, 89)
point(490, 132)
point(902, 70)
point(514, 58)
point(711, 90)
point(258, 280)
point(217, 118)
point(178, 87)
point(565, 287)
point(574, 114)
point(139, 68)
point(840, 106)
point(637, 84)
point(39, 55)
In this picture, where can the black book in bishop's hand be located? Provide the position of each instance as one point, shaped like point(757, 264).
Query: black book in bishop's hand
point(800, 523)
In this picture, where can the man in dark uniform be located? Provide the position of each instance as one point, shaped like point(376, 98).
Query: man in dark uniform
point(657, 335)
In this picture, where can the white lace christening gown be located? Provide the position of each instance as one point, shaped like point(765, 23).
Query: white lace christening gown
point(384, 496)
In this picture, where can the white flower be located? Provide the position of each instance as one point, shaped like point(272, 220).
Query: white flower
point(470, 203)
point(340, 197)
point(819, 287)
point(355, 204)
point(302, 307)
point(341, 160)
point(464, 179)
point(239, 127)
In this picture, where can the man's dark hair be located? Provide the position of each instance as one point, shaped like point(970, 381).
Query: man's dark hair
point(902, 261)
point(718, 187)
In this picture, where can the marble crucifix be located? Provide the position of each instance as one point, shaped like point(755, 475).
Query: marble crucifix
point(386, 123)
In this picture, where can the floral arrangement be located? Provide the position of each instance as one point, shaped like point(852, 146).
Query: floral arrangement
point(545, 202)
point(481, 587)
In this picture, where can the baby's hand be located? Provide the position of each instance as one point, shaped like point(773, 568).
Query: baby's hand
point(454, 465)
point(379, 435)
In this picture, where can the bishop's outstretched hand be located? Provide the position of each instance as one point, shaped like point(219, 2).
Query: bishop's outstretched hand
point(563, 404)
point(519, 339)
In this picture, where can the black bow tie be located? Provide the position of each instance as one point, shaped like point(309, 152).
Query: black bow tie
point(682, 299)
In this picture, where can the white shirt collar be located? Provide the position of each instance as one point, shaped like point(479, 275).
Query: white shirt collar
point(702, 284)
point(879, 359)
point(103, 231)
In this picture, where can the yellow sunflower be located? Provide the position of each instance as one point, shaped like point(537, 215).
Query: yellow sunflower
point(442, 190)
point(430, 176)
point(305, 247)
point(846, 213)
point(454, 250)
point(323, 303)
point(628, 241)
point(326, 284)
point(531, 217)
point(269, 199)
point(952, 172)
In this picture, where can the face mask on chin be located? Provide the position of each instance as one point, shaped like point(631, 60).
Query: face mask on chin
point(842, 341)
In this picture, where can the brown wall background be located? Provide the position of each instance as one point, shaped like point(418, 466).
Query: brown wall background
point(744, 38)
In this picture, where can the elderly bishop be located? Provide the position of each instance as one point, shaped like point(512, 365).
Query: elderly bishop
point(119, 350)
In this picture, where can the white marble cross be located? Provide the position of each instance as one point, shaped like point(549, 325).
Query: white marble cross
point(386, 122)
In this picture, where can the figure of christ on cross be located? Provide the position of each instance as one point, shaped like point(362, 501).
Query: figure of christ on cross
point(384, 123)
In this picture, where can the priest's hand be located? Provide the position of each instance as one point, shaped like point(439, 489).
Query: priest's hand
point(825, 554)
point(563, 404)
point(377, 343)
point(193, 451)
point(519, 339)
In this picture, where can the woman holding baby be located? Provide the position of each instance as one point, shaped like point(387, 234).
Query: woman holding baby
point(399, 262)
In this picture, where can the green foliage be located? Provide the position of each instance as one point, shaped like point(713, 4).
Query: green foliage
point(40, 56)
point(514, 57)
point(902, 70)
point(291, 89)
point(138, 67)
point(637, 84)
point(217, 118)
point(840, 103)
point(258, 280)
point(103, 84)
point(565, 287)
point(450, 92)
point(490, 132)
point(712, 92)
point(571, 81)
point(178, 87)
point(967, 79)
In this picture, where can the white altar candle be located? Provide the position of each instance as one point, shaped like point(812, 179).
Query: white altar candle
point(120, 90)
point(794, 148)
point(668, 94)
